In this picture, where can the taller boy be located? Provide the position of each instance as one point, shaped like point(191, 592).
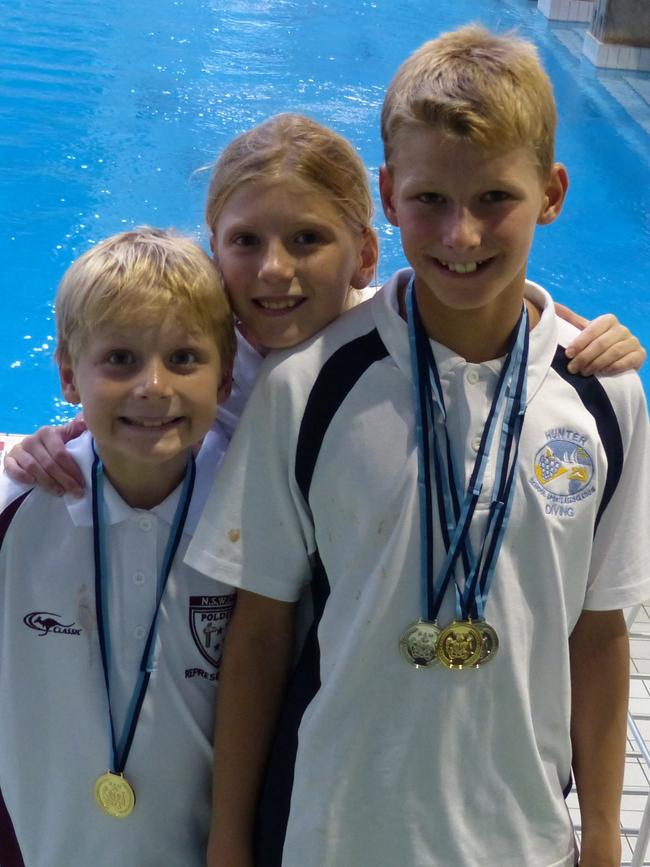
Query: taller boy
point(470, 515)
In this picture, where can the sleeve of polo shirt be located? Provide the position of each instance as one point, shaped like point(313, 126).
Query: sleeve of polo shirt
point(10, 493)
point(11, 496)
point(255, 532)
point(619, 573)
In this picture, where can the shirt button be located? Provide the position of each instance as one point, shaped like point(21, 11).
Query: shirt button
point(139, 632)
point(476, 444)
point(145, 523)
point(473, 377)
point(138, 577)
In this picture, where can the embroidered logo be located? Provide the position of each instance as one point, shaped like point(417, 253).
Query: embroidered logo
point(564, 471)
point(46, 623)
point(209, 616)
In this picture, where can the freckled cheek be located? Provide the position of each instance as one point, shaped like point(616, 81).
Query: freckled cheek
point(416, 230)
point(102, 394)
point(236, 277)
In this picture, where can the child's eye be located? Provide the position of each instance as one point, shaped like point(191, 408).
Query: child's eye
point(119, 357)
point(430, 198)
point(183, 357)
point(246, 239)
point(494, 196)
point(307, 237)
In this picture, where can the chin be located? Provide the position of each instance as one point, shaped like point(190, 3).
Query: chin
point(285, 341)
point(464, 304)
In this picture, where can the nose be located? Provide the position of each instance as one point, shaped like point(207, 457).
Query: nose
point(461, 230)
point(278, 266)
point(153, 380)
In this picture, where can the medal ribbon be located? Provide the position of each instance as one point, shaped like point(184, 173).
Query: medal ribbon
point(455, 506)
point(120, 751)
point(502, 499)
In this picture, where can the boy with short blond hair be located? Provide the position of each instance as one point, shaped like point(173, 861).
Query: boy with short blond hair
point(109, 644)
point(470, 516)
point(494, 93)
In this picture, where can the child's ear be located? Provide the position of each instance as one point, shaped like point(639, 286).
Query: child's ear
point(67, 379)
point(386, 189)
point(367, 262)
point(555, 191)
point(225, 386)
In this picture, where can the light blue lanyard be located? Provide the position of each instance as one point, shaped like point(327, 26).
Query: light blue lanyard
point(456, 507)
point(120, 752)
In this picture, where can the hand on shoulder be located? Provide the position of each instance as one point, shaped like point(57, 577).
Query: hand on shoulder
point(42, 459)
point(604, 345)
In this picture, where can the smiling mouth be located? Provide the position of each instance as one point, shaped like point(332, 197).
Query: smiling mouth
point(280, 305)
point(151, 424)
point(463, 267)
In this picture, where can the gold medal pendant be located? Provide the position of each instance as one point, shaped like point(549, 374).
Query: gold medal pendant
point(418, 644)
point(114, 795)
point(460, 645)
point(490, 642)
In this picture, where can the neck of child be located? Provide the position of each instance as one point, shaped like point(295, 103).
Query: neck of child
point(144, 485)
point(251, 340)
point(475, 334)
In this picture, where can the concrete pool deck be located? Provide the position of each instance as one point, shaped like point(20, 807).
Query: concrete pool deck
point(629, 88)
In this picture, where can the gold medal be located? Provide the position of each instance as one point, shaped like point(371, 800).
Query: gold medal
point(418, 644)
point(490, 642)
point(460, 645)
point(114, 795)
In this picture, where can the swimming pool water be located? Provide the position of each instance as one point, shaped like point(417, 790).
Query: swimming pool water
point(106, 113)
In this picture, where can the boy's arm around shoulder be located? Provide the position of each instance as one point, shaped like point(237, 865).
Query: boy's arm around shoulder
point(42, 459)
point(603, 345)
point(256, 660)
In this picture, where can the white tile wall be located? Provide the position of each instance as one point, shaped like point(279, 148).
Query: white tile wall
point(610, 56)
point(567, 10)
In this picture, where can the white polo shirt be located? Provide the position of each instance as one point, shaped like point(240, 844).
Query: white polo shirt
point(54, 725)
point(377, 762)
point(246, 367)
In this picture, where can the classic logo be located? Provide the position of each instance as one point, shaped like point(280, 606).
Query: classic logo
point(564, 471)
point(44, 622)
point(209, 616)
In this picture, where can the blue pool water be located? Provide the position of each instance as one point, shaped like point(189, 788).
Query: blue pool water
point(107, 109)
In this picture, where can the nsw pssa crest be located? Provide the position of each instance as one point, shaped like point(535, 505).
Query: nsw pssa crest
point(563, 472)
point(209, 616)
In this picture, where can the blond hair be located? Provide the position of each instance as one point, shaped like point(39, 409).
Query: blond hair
point(140, 276)
point(475, 86)
point(291, 144)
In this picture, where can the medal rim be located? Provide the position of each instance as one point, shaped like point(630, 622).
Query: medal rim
point(115, 780)
point(403, 644)
point(484, 626)
point(472, 660)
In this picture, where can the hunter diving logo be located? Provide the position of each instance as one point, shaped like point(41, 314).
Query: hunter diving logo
point(46, 623)
point(564, 472)
point(209, 616)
